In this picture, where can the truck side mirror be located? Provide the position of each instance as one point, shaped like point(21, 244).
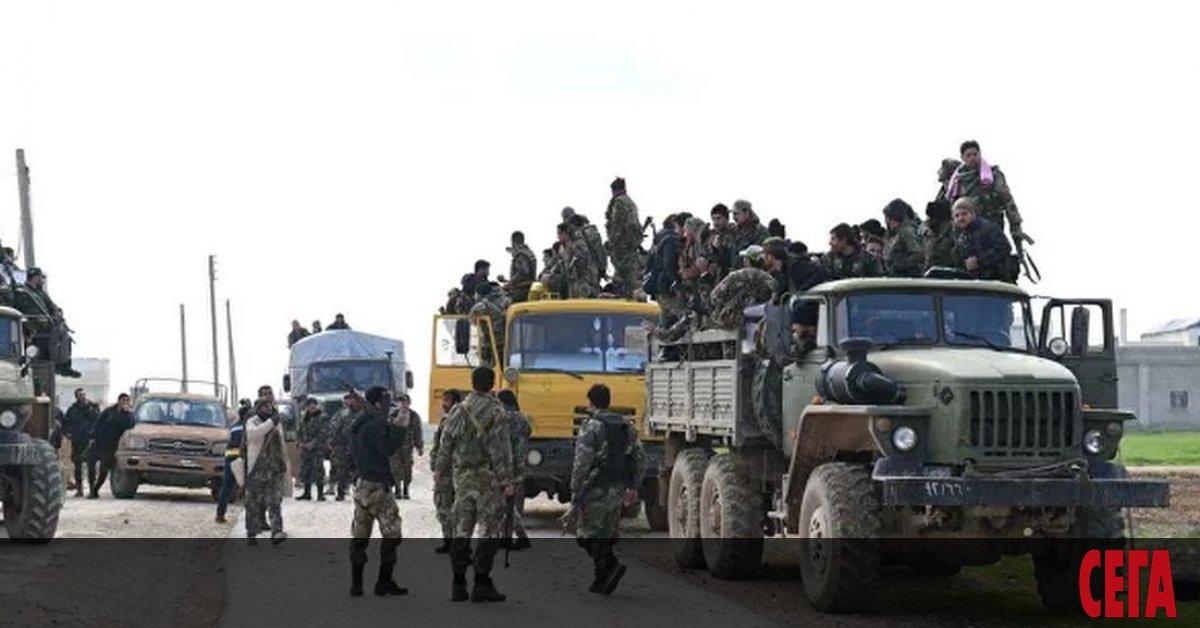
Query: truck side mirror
point(462, 336)
point(408, 380)
point(287, 383)
point(1081, 320)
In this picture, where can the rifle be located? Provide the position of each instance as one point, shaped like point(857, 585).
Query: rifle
point(506, 532)
point(570, 519)
point(1025, 259)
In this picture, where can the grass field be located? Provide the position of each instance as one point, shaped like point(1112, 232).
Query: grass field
point(1161, 449)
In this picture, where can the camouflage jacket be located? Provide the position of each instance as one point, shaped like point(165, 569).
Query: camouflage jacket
point(314, 431)
point(597, 256)
point(857, 264)
point(519, 430)
point(339, 428)
point(37, 306)
point(413, 434)
point(622, 223)
point(741, 288)
point(903, 254)
point(986, 243)
point(523, 270)
point(493, 307)
point(939, 240)
point(592, 452)
point(475, 445)
point(718, 248)
point(995, 201)
point(747, 234)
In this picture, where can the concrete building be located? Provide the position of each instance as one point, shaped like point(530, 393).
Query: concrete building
point(1160, 383)
point(95, 382)
point(1183, 331)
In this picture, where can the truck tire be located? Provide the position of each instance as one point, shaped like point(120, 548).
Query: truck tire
point(32, 506)
point(656, 516)
point(840, 552)
point(683, 507)
point(123, 484)
point(1057, 570)
point(731, 520)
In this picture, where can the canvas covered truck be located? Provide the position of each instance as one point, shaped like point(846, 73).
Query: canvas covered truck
point(326, 365)
point(553, 351)
point(929, 422)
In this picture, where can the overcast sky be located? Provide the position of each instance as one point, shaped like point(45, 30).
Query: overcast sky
point(358, 157)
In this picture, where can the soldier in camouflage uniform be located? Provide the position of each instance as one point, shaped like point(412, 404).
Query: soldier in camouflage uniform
point(624, 239)
point(313, 435)
point(937, 237)
point(748, 230)
point(341, 467)
point(519, 430)
point(741, 288)
point(846, 259)
point(987, 187)
point(265, 474)
point(718, 244)
point(476, 448)
point(903, 253)
point(45, 319)
point(375, 440)
point(492, 304)
point(402, 461)
point(608, 469)
point(443, 484)
point(583, 229)
point(522, 272)
point(575, 263)
point(693, 266)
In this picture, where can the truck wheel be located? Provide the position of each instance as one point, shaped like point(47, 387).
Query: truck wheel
point(840, 552)
point(731, 520)
point(124, 484)
point(35, 498)
point(656, 516)
point(1057, 568)
point(683, 507)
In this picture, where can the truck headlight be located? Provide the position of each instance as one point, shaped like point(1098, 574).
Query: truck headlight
point(135, 442)
point(8, 419)
point(1093, 442)
point(904, 438)
point(534, 457)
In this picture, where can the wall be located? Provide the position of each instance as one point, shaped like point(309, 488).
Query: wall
point(1161, 384)
point(95, 382)
point(1188, 337)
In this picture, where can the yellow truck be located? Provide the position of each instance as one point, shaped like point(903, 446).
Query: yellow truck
point(554, 350)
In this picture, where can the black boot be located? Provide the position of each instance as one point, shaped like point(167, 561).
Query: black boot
point(444, 548)
point(599, 577)
point(386, 586)
point(485, 590)
point(522, 542)
point(356, 579)
point(320, 491)
point(615, 573)
point(341, 492)
point(307, 492)
point(458, 589)
point(405, 491)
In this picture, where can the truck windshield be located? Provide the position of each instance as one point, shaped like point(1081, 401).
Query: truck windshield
point(985, 320)
point(328, 377)
point(888, 318)
point(180, 412)
point(578, 343)
point(996, 321)
point(10, 338)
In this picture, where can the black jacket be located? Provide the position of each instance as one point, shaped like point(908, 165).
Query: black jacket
point(804, 273)
point(79, 421)
point(373, 441)
point(664, 264)
point(112, 423)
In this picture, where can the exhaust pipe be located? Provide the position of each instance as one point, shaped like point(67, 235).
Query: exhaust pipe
point(855, 380)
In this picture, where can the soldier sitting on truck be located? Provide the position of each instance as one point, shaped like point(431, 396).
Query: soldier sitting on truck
point(981, 245)
point(49, 328)
point(491, 303)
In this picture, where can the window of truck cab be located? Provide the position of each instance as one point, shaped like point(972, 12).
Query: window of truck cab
point(578, 342)
point(970, 319)
point(10, 339)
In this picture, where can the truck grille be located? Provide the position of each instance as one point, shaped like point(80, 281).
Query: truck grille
point(178, 446)
point(1015, 423)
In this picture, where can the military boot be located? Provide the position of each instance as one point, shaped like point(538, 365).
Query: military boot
point(599, 578)
point(356, 579)
point(615, 573)
point(444, 548)
point(386, 586)
point(485, 590)
point(405, 491)
point(307, 494)
point(320, 491)
point(341, 493)
point(458, 589)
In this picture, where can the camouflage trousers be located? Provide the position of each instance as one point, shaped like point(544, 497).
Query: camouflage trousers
point(627, 264)
point(264, 503)
point(401, 463)
point(601, 513)
point(478, 502)
point(582, 288)
point(374, 503)
point(443, 501)
point(341, 468)
point(312, 466)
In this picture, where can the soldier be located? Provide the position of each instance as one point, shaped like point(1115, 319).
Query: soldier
point(443, 484)
point(804, 329)
point(492, 304)
point(519, 431)
point(522, 272)
point(938, 238)
point(481, 274)
point(987, 187)
point(869, 228)
point(741, 288)
point(583, 229)
point(575, 264)
point(624, 239)
point(313, 435)
point(981, 245)
point(719, 243)
point(297, 334)
point(662, 270)
point(945, 171)
point(803, 272)
point(233, 452)
point(775, 262)
point(341, 462)
point(845, 258)
point(77, 427)
point(339, 322)
point(476, 447)
point(264, 475)
point(105, 437)
point(402, 461)
point(554, 273)
point(375, 441)
point(46, 320)
point(609, 465)
point(747, 231)
point(693, 265)
point(316, 327)
point(874, 247)
point(903, 254)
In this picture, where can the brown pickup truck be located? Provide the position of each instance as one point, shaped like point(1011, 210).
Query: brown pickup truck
point(178, 439)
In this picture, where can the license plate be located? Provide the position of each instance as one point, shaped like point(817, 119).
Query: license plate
point(191, 464)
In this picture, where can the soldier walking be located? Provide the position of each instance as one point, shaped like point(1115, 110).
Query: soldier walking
point(443, 484)
point(375, 441)
point(313, 434)
point(518, 431)
point(105, 438)
point(402, 461)
point(77, 426)
point(476, 448)
point(609, 464)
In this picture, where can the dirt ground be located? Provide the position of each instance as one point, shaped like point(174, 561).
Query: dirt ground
point(1182, 519)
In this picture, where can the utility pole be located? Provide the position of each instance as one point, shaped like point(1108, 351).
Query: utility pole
point(212, 302)
point(183, 346)
point(26, 210)
point(233, 391)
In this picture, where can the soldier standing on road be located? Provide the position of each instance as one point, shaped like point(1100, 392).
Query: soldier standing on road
point(375, 441)
point(313, 434)
point(443, 484)
point(77, 426)
point(341, 463)
point(402, 461)
point(264, 472)
point(519, 431)
point(624, 239)
point(476, 448)
point(609, 465)
point(106, 436)
point(522, 272)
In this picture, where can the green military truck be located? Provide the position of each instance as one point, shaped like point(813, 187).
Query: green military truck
point(31, 484)
point(931, 423)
